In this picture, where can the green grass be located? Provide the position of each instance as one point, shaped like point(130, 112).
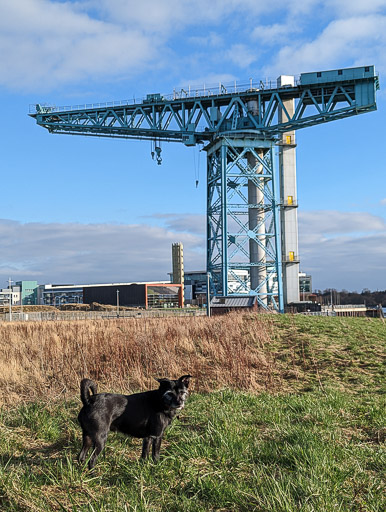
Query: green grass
point(316, 451)
point(348, 353)
point(317, 446)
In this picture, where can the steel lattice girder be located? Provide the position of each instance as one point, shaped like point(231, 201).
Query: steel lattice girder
point(229, 233)
point(198, 119)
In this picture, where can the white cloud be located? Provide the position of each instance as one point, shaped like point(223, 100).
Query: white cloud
point(82, 253)
point(241, 55)
point(330, 222)
point(345, 8)
point(43, 43)
point(212, 80)
point(210, 40)
point(361, 40)
point(188, 223)
point(346, 262)
point(46, 43)
point(341, 8)
point(343, 249)
point(340, 249)
point(164, 15)
point(276, 33)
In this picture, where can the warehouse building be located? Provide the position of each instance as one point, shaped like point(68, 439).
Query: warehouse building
point(143, 295)
point(59, 294)
point(138, 295)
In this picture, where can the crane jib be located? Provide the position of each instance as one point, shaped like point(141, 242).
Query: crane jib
point(319, 97)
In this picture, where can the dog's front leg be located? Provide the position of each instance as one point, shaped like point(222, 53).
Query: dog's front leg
point(146, 447)
point(99, 444)
point(156, 448)
point(87, 443)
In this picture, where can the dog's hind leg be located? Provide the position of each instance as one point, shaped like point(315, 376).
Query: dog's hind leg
point(146, 447)
point(87, 443)
point(156, 448)
point(99, 444)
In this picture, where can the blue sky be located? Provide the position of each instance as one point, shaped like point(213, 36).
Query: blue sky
point(78, 210)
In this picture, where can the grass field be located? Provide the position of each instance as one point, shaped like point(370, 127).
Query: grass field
point(299, 426)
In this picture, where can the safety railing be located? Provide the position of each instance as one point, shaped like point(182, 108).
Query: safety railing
point(181, 93)
point(349, 306)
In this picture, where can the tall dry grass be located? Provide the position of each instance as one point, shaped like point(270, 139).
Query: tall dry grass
point(49, 359)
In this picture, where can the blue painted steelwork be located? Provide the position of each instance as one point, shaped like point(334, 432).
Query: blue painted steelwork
point(225, 121)
point(338, 75)
point(229, 233)
point(193, 120)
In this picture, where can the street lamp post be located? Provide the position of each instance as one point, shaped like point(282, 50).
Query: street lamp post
point(10, 298)
point(208, 293)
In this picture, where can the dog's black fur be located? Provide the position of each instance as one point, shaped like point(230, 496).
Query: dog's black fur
point(144, 415)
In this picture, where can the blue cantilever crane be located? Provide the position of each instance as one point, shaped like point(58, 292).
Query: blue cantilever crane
point(251, 225)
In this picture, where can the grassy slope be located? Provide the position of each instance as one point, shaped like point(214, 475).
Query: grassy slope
point(348, 353)
point(318, 446)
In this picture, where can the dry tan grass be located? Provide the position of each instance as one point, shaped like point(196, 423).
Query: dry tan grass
point(48, 359)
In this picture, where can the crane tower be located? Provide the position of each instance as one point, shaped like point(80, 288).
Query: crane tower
point(252, 229)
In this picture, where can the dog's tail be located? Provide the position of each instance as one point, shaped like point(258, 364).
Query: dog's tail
point(85, 386)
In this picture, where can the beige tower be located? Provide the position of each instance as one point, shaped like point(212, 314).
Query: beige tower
point(178, 266)
point(288, 199)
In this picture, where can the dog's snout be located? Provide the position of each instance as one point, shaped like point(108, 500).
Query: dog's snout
point(174, 400)
point(181, 398)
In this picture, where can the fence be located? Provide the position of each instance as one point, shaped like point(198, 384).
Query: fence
point(318, 313)
point(94, 315)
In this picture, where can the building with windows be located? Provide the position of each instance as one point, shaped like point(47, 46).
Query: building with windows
point(59, 294)
point(137, 295)
point(140, 294)
point(143, 295)
point(195, 285)
point(28, 292)
point(305, 285)
point(7, 293)
point(24, 293)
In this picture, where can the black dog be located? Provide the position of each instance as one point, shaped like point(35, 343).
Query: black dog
point(145, 415)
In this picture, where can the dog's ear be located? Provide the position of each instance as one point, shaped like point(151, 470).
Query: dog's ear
point(184, 380)
point(163, 383)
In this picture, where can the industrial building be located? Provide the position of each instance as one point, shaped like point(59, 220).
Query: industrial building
point(142, 295)
point(59, 294)
point(195, 285)
point(188, 288)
